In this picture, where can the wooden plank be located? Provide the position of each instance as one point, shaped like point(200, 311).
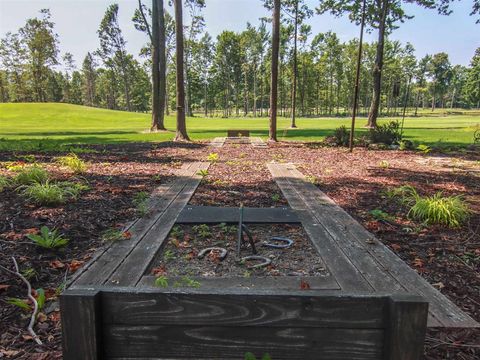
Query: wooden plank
point(258, 142)
point(250, 283)
point(407, 328)
point(342, 226)
point(218, 142)
point(215, 215)
point(232, 343)
point(81, 324)
point(109, 259)
point(134, 265)
point(340, 266)
point(224, 308)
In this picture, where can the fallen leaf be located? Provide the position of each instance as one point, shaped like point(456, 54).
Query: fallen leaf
point(439, 285)
point(75, 265)
point(159, 271)
point(396, 247)
point(127, 234)
point(418, 262)
point(4, 286)
point(56, 264)
point(304, 285)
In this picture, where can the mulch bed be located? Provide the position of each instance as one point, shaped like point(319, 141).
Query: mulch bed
point(448, 258)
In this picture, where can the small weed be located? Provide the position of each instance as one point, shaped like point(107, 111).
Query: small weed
point(187, 282)
point(112, 235)
point(4, 182)
point(312, 179)
point(22, 304)
point(29, 273)
point(27, 158)
point(168, 255)
point(73, 189)
point(384, 164)
point(381, 215)
point(15, 166)
point(424, 148)
point(48, 239)
point(212, 157)
point(203, 173)
point(251, 356)
point(176, 232)
point(31, 175)
point(161, 281)
point(275, 197)
point(73, 162)
point(202, 231)
point(227, 229)
point(140, 201)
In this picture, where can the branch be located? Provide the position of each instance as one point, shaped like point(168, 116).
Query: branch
point(147, 26)
point(32, 299)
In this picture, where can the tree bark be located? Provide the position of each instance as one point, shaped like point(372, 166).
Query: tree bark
point(377, 70)
point(158, 66)
point(181, 134)
point(295, 68)
point(274, 70)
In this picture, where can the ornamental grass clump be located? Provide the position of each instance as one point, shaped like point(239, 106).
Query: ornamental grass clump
point(31, 175)
point(73, 162)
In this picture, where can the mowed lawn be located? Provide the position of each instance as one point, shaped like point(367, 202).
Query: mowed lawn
point(25, 123)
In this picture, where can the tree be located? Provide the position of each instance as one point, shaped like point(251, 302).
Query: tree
point(13, 54)
point(112, 48)
point(274, 67)
point(42, 51)
point(89, 76)
point(181, 134)
point(69, 69)
point(473, 79)
point(440, 72)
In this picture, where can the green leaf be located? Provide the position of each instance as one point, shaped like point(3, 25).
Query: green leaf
point(22, 304)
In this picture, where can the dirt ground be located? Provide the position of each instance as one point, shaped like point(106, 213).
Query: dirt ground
point(448, 258)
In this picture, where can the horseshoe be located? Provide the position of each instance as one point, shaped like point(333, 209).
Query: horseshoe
point(223, 252)
point(286, 243)
point(266, 261)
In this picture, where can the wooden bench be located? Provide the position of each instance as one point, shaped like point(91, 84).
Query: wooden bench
point(133, 323)
point(238, 133)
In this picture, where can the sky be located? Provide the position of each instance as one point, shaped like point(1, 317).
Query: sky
point(77, 22)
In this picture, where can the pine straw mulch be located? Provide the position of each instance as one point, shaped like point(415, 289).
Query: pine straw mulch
point(448, 258)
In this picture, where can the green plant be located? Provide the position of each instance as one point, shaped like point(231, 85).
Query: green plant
point(386, 134)
point(311, 179)
point(168, 255)
point(384, 164)
point(227, 229)
point(451, 211)
point(202, 231)
point(213, 157)
point(48, 239)
point(341, 136)
point(46, 194)
point(41, 298)
point(275, 197)
point(161, 281)
point(112, 235)
point(31, 175)
point(73, 162)
point(203, 173)
point(186, 281)
point(22, 304)
point(251, 356)
point(73, 189)
point(379, 214)
point(405, 193)
point(424, 148)
point(29, 273)
point(176, 232)
point(140, 201)
point(26, 158)
point(4, 182)
point(406, 145)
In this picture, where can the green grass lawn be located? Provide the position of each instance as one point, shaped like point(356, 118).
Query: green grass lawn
point(23, 125)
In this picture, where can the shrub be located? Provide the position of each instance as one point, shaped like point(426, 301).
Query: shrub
point(46, 194)
point(451, 211)
point(213, 157)
point(31, 175)
point(48, 239)
point(73, 189)
point(4, 182)
point(424, 148)
point(73, 162)
point(342, 136)
point(387, 133)
point(406, 145)
point(203, 173)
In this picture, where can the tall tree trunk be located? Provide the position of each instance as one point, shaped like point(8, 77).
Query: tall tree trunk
point(167, 105)
point(158, 66)
point(205, 93)
point(453, 98)
point(245, 93)
point(181, 123)
point(295, 68)
point(274, 72)
point(377, 70)
point(255, 89)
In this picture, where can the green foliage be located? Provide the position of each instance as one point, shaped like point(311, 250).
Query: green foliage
point(251, 356)
point(73, 162)
point(176, 232)
point(29, 273)
point(186, 281)
point(384, 164)
point(140, 201)
point(406, 145)
point(213, 157)
point(73, 189)
point(168, 255)
point(424, 148)
point(4, 182)
point(48, 239)
point(227, 229)
point(451, 211)
point(40, 299)
point(161, 281)
point(202, 231)
point(203, 173)
point(386, 133)
point(48, 194)
point(312, 179)
point(406, 194)
point(31, 175)
point(275, 197)
point(379, 214)
point(22, 304)
point(342, 136)
point(112, 235)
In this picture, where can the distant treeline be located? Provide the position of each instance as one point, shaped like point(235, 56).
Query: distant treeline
point(229, 75)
